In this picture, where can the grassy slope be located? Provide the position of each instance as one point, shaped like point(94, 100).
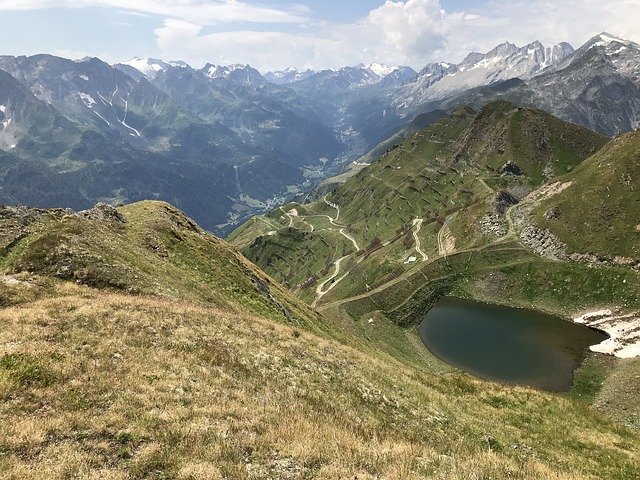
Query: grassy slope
point(208, 393)
point(192, 377)
point(498, 271)
point(158, 250)
point(598, 213)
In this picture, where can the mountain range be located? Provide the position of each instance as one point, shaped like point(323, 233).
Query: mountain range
point(225, 142)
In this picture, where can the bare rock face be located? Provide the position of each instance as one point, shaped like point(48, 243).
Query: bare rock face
point(553, 213)
point(503, 200)
point(510, 168)
point(102, 211)
point(493, 225)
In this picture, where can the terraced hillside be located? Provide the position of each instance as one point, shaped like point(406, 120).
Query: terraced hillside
point(134, 345)
point(443, 190)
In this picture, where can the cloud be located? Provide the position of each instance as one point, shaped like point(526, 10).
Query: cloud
point(205, 12)
point(523, 21)
point(409, 32)
point(72, 54)
point(396, 32)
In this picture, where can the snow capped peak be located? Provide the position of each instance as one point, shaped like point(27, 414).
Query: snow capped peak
point(217, 71)
point(150, 67)
point(381, 69)
point(606, 38)
point(289, 75)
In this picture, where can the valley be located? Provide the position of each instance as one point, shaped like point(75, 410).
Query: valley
point(227, 142)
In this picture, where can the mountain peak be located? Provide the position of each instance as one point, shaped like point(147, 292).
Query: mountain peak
point(150, 67)
point(288, 75)
point(381, 69)
point(603, 39)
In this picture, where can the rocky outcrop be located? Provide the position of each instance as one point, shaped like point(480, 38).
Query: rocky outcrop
point(546, 244)
point(493, 225)
point(502, 201)
point(510, 168)
point(102, 211)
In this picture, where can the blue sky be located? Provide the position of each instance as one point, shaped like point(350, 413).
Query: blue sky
point(271, 34)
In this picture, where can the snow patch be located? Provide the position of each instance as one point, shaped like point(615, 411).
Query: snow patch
point(87, 99)
point(381, 69)
point(84, 77)
point(124, 120)
point(216, 71)
point(623, 330)
point(3, 109)
point(150, 67)
point(102, 118)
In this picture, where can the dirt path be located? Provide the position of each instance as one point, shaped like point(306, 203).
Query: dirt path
point(342, 228)
point(333, 205)
point(289, 216)
point(320, 292)
point(267, 222)
point(417, 222)
point(446, 241)
point(349, 237)
point(401, 278)
point(530, 201)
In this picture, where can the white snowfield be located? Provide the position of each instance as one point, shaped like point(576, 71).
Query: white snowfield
point(87, 99)
point(623, 330)
point(382, 70)
point(503, 62)
point(150, 67)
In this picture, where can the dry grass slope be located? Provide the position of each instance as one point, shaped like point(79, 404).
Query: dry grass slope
point(148, 349)
point(104, 385)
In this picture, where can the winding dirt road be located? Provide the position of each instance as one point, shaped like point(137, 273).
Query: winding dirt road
point(417, 222)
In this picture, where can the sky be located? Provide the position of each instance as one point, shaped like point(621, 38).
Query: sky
point(275, 34)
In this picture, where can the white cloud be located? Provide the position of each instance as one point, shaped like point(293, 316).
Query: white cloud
point(411, 32)
point(206, 12)
point(72, 54)
point(523, 21)
point(397, 32)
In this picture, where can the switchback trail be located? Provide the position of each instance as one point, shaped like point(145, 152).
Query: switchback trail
point(417, 222)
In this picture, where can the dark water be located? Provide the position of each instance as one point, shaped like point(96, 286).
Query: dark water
point(507, 344)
